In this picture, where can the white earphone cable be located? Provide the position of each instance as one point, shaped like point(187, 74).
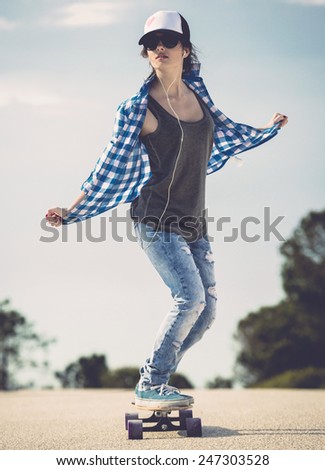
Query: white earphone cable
point(180, 148)
point(177, 158)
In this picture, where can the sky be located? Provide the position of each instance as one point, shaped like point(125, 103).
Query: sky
point(64, 68)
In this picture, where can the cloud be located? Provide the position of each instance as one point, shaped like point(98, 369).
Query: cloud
point(80, 14)
point(15, 90)
point(7, 25)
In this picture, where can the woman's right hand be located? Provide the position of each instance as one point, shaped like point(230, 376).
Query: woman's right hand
point(54, 216)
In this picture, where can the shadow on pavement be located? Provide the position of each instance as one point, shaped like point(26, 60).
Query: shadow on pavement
point(320, 432)
point(215, 431)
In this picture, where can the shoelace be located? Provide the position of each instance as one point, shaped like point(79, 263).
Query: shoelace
point(165, 389)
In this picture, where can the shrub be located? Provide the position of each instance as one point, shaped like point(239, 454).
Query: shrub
point(310, 377)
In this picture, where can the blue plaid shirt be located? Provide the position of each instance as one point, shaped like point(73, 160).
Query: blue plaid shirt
point(124, 168)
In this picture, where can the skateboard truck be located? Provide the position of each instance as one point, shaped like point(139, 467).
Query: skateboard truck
point(160, 420)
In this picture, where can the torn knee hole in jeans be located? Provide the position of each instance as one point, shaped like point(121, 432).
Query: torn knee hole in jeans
point(209, 257)
point(213, 292)
point(186, 249)
point(177, 345)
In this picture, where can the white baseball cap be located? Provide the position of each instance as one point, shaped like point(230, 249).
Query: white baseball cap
point(166, 21)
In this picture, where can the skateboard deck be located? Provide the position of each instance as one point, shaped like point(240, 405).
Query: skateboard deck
point(168, 409)
point(162, 420)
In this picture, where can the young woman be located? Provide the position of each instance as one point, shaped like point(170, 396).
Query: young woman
point(166, 139)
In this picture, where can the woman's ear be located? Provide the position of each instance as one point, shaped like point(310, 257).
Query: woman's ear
point(186, 52)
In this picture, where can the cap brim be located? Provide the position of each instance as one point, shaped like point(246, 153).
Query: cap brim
point(160, 31)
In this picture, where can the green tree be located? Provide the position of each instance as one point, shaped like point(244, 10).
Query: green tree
point(18, 343)
point(303, 272)
point(93, 372)
point(309, 377)
point(180, 381)
point(86, 372)
point(124, 377)
point(220, 382)
point(290, 336)
point(128, 377)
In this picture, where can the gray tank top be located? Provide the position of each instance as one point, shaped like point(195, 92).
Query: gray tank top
point(185, 213)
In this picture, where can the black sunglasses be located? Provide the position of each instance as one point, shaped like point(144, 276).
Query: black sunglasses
point(168, 40)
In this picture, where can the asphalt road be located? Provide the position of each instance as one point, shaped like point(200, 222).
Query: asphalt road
point(94, 420)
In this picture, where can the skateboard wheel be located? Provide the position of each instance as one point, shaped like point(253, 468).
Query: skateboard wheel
point(183, 414)
point(130, 416)
point(135, 430)
point(193, 427)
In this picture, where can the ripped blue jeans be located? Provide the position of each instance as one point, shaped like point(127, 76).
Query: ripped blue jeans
point(187, 268)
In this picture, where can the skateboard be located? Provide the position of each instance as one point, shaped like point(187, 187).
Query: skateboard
point(162, 420)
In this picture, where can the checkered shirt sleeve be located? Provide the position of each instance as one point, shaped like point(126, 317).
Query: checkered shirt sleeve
point(120, 169)
point(230, 138)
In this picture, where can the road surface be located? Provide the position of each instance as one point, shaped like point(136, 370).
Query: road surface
point(94, 420)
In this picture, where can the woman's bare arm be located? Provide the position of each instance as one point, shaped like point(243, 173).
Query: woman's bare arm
point(277, 117)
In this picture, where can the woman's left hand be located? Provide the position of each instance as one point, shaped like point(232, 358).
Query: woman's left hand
point(277, 117)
